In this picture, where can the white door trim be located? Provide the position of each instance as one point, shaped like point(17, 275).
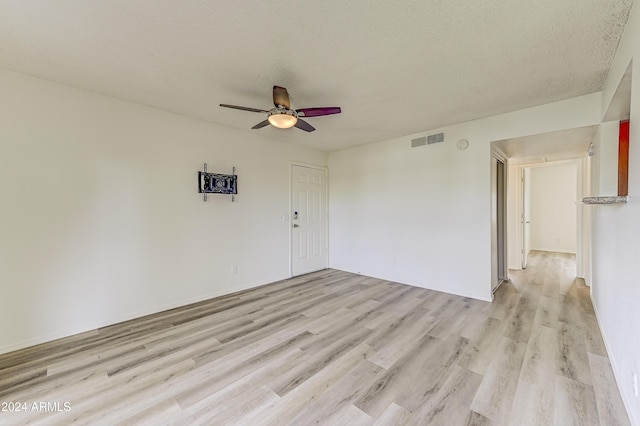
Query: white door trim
point(326, 171)
point(498, 276)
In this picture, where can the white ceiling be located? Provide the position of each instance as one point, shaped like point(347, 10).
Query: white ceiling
point(395, 67)
point(553, 146)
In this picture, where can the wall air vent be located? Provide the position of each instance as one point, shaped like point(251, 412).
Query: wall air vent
point(435, 138)
point(418, 142)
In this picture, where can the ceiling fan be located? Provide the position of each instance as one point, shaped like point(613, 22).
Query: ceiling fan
point(283, 116)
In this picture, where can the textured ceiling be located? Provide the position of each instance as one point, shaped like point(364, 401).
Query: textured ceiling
point(395, 67)
point(554, 146)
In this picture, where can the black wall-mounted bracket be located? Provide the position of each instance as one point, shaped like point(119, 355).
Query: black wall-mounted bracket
point(217, 183)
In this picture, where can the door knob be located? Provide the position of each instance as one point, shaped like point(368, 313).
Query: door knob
point(295, 225)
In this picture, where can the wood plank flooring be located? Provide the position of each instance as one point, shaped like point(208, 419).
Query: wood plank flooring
point(338, 349)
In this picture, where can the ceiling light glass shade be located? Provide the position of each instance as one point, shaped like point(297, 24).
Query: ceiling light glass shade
point(282, 119)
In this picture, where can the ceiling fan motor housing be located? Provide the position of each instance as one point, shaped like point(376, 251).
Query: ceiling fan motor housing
point(282, 117)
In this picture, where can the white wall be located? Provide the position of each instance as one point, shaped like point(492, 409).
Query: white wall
point(583, 240)
point(584, 267)
point(422, 216)
point(514, 212)
point(604, 174)
point(616, 238)
point(553, 208)
point(101, 221)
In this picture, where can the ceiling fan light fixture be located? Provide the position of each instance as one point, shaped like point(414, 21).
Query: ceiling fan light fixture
point(282, 118)
point(285, 117)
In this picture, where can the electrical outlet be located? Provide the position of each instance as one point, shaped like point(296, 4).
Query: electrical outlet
point(635, 384)
point(234, 269)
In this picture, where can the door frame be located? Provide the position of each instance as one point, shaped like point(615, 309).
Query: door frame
point(583, 240)
point(290, 219)
point(525, 191)
point(503, 274)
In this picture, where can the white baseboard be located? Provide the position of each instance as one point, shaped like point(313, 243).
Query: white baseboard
point(484, 298)
point(138, 314)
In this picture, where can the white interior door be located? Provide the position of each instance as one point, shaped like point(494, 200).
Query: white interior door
point(308, 219)
point(526, 215)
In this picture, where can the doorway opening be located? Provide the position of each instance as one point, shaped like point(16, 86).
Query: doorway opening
point(546, 178)
point(550, 208)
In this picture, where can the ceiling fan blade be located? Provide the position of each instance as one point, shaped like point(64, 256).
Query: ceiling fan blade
point(317, 112)
point(243, 108)
point(303, 125)
point(261, 124)
point(281, 97)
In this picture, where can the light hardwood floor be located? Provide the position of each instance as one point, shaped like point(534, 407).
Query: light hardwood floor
point(335, 348)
